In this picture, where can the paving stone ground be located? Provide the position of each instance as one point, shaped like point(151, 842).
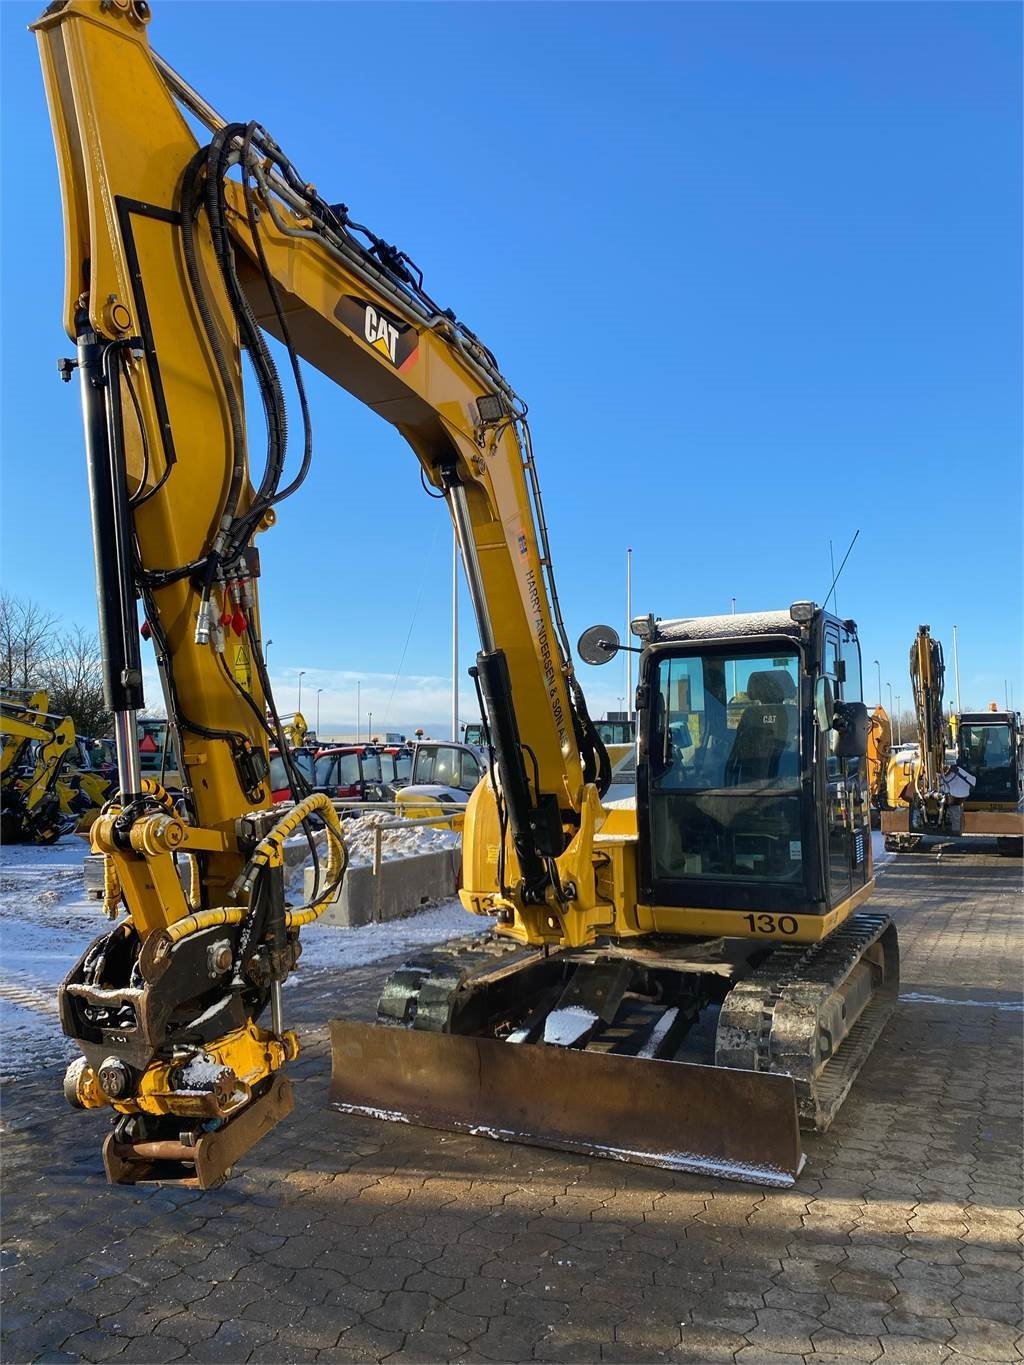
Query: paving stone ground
point(344, 1239)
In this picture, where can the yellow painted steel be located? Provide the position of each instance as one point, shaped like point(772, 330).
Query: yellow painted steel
point(91, 56)
point(879, 749)
point(109, 162)
point(123, 146)
point(24, 719)
point(249, 1054)
point(786, 928)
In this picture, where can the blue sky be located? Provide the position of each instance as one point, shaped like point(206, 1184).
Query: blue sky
point(755, 268)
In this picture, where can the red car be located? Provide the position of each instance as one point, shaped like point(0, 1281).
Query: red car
point(352, 772)
point(280, 785)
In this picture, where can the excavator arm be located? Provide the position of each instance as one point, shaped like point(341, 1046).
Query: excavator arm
point(183, 254)
point(179, 257)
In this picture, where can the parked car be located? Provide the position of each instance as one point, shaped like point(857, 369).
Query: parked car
point(353, 772)
point(280, 783)
point(442, 773)
point(396, 769)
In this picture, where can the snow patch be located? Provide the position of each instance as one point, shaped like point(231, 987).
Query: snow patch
point(328, 947)
point(662, 1027)
point(920, 998)
point(201, 1073)
point(568, 1025)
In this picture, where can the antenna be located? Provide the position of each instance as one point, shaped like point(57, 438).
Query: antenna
point(835, 577)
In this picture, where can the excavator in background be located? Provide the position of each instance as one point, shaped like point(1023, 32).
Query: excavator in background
point(990, 746)
point(879, 751)
point(679, 981)
point(296, 730)
point(36, 745)
point(931, 797)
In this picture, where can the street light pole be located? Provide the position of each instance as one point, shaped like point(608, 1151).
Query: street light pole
point(879, 667)
point(899, 725)
point(455, 634)
point(956, 670)
point(318, 691)
point(629, 617)
point(302, 674)
point(359, 714)
point(369, 726)
point(266, 655)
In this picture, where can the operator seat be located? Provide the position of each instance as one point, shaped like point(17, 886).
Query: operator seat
point(766, 730)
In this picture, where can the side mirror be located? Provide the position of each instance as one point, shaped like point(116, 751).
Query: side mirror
point(851, 723)
point(824, 704)
point(598, 645)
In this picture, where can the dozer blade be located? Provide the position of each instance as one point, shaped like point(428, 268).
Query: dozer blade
point(740, 1125)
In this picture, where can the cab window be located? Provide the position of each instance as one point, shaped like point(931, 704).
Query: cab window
point(724, 759)
point(446, 763)
point(347, 771)
point(471, 773)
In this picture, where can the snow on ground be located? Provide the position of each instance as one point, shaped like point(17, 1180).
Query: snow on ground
point(878, 854)
point(403, 842)
point(325, 947)
point(46, 923)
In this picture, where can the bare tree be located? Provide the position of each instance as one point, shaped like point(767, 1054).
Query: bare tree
point(73, 675)
point(27, 640)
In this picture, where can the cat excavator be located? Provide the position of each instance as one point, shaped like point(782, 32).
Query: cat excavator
point(981, 793)
point(681, 981)
point(30, 803)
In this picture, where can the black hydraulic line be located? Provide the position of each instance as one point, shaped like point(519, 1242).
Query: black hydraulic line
point(111, 519)
point(535, 821)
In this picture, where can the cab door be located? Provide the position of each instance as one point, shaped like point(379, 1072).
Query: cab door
point(856, 769)
point(837, 810)
point(848, 831)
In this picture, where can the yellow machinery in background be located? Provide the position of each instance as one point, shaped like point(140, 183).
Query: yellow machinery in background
point(879, 750)
point(977, 794)
point(732, 890)
point(49, 781)
point(35, 747)
point(990, 746)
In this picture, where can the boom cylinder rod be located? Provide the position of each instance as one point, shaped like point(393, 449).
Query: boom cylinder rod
point(496, 690)
point(112, 542)
point(459, 509)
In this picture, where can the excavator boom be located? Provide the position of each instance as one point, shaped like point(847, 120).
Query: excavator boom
point(616, 932)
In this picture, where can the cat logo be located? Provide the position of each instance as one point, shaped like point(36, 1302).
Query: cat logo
point(768, 718)
point(381, 333)
point(396, 340)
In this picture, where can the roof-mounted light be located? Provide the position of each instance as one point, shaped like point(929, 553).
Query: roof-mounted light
point(802, 612)
point(645, 628)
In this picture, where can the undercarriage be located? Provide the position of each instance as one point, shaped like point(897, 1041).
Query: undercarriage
point(745, 1040)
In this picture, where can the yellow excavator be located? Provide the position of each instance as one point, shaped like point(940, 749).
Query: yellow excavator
point(679, 981)
point(32, 809)
point(978, 794)
point(990, 746)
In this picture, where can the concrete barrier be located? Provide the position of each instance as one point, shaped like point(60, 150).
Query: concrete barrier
point(403, 886)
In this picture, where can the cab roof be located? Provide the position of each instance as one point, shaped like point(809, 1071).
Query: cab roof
point(729, 627)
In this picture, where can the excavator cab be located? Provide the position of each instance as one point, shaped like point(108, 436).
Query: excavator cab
point(740, 806)
point(989, 746)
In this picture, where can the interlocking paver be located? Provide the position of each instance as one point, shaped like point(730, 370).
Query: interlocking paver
point(342, 1239)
